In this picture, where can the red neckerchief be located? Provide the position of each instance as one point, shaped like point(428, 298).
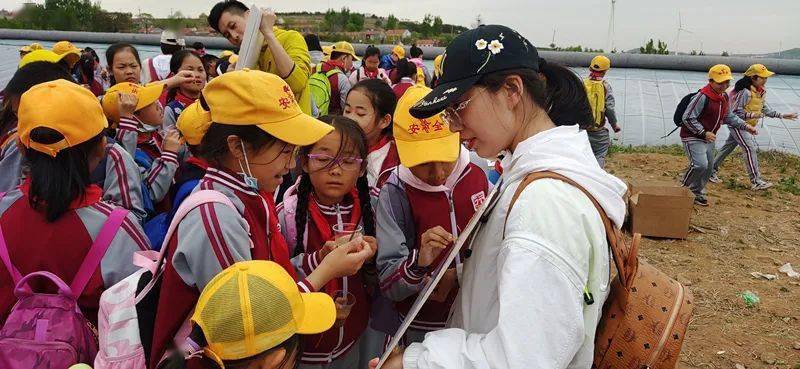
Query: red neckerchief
point(91, 195)
point(761, 90)
point(378, 145)
point(330, 64)
point(150, 138)
point(370, 75)
point(595, 75)
point(711, 94)
point(183, 99)
point(325, 230)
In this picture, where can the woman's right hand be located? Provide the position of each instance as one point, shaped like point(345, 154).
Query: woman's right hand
point(127, 104)
point(433, 242)
point(179, 78)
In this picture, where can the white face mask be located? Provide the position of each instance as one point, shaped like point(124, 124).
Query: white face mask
point(146, 128)
point(249, 180)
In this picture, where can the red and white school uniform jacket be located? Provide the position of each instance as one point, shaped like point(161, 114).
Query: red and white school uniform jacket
point(328, 346)
point(209, 239)
point(121, 184)
point(159, 176)
point(400, 227)
point(34, 244)
point(381, 160)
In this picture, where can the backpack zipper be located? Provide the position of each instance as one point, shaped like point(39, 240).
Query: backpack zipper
point(668, 328)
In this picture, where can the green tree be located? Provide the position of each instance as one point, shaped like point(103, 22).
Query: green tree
point(651, 47)
point(725, 53)
point(391, 22)
point(438, 25)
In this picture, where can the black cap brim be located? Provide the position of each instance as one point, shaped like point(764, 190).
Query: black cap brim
point(442, 96)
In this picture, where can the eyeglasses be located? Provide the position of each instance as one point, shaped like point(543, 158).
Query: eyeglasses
point(323, 161)
point(451, 116)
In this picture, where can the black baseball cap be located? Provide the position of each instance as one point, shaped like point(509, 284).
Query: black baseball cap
point(471, 55)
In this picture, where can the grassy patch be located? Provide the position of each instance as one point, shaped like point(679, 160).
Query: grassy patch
point(661, 149)
point(789, 184)
point(732, 184)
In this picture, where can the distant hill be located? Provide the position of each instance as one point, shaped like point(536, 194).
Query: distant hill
point(786, 54)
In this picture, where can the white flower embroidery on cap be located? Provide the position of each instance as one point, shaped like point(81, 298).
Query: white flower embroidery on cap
point(495, 47)
point(481, 44)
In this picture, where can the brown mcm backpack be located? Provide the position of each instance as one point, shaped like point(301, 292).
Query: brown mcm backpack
point(646, 314)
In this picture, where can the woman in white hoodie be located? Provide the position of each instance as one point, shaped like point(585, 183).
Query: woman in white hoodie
point(521, 302)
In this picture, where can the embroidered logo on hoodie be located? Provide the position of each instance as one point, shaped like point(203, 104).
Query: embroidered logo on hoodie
point(478, 199)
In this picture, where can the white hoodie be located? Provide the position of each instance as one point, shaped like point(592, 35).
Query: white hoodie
point(521, 299)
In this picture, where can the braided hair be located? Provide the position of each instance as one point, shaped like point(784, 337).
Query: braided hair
point(352, 136)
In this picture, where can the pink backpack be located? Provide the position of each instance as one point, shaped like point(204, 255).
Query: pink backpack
point(122, 334)
point(48, 331)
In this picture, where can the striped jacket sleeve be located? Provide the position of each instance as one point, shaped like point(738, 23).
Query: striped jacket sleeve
point(693, 111)
point(211, 238)
point(160, 175)
point(768, 112)
point(117, 262)
point(10, 166)
point(400, 277)
point(122, 185)
point(127, 134)
point(733, 120)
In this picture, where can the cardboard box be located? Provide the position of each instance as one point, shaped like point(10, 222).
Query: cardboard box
point(660, 210)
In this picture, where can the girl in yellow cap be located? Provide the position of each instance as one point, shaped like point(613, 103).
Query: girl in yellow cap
point(249, 316)
point(601, 100)
point(52, 220)
point(749, 103)
point(249, 147)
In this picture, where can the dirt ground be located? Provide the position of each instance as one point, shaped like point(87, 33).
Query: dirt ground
point(741, 232)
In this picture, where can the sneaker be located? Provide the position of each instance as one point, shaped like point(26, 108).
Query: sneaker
point(714, 178)
point(700, 201)
point(761, 185)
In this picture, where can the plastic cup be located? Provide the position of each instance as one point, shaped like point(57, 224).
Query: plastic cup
point(345, 232)
point(344, 302)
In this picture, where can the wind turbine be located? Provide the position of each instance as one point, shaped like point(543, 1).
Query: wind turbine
point(680, 29)
point(611, 27)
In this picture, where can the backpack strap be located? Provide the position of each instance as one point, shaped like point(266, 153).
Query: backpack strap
point(12, 270)
point(625, 258)
point(98, 249)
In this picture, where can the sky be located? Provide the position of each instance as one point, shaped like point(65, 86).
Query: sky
point(736, 26)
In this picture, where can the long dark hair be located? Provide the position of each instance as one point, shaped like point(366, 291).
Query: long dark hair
point(24, 78)
point(312, 40)
point(352, 137)
point(177, 360)
point(383, 99)
point(113, 50)
point(175, 65)
point(57, 181)
point(560, 93)
point(743, 83)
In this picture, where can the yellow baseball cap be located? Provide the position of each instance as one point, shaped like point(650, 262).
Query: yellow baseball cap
point(145, 96)
point(252, 97)
point(225, 53)
point(400, 51)
point(193, 123)
point(233, 59)
point(38, 56)
point(345, 48)
point(437, 65)
point(600, 63)
point(253, 306)
point(326, 53)
point(66, 47)
point(421, 141)
point(720, 73)
point(758, 70)
point(71, 110)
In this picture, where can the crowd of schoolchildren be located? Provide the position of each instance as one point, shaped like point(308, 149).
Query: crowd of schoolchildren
point(225, 212)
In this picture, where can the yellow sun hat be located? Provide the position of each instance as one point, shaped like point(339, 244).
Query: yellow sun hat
point(600, 63)
point(193, 123)
point(759, 70)
point(254, 306)
point(720, 73)
point(71, 110)
point(145, 96)
point(252, 97)
point(421, 141)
